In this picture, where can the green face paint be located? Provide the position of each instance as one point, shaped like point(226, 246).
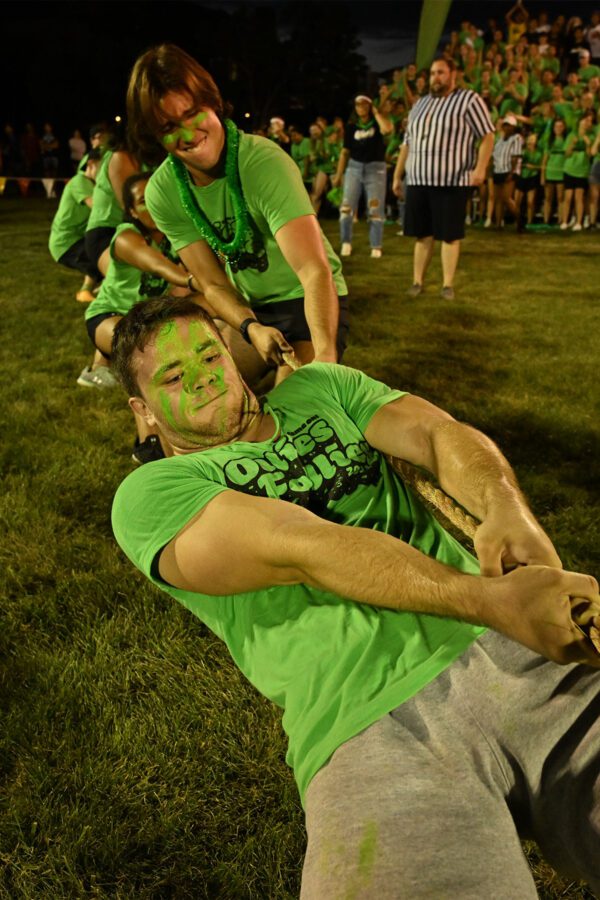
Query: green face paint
point(191, 375)
point(141, 207)
point(184, 132)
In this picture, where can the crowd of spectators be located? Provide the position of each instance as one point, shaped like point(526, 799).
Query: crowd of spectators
point(539, 78)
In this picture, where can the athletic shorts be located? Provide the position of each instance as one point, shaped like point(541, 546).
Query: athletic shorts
point(76, 258)
point(554, 180)
point(573, 182)
point(96, 242)
point(288, 316)
point(92, 323)
point(501, 177)
point(595, 173)
point(528, 184)
point(437, 212)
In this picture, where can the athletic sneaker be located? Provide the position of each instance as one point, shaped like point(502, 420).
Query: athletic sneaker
point(84, 296)
point(376, 253)
point(577, 227)
point(415, 290)
point(101, 377)
point(468, 220)
point(346, 249)
point(447, 293)
point(563, 226)
point(148, 450)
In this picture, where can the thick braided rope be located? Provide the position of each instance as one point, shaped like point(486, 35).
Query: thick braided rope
point(581, 611)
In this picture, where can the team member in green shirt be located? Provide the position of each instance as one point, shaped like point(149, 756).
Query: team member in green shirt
point(66, 242)
point(282, 526)
point(240, 197)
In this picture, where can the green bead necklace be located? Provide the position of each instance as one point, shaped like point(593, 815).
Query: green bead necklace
point(228, 251)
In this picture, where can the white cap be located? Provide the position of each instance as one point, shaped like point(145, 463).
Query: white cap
point(276, 120)
point(509, 120)
point(363, 97)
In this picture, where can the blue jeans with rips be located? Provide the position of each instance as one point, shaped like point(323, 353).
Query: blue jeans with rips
point(372, 177)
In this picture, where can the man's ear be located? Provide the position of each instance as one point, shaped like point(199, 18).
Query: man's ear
point(138, 406)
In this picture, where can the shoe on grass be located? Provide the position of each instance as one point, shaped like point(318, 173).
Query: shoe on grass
point(415, 290)
point(577, 227)
point(101, 377)
point(376, 253)
point(148, 450)
point(447, 293)
point(346, 249)
point(487, 223)
point(84, 296)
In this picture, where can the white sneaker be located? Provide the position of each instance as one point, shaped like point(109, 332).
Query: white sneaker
point(376, 253)
point(101, 377)
point(468, 220)
point(577, 227)
point(487, 223)
point(563, 226)
point(586, 222)
point(346, 249)
point(572, 221)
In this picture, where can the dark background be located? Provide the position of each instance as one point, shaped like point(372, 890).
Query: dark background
point(68, 62)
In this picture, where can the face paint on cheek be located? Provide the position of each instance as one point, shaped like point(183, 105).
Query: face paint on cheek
point(170, 140)
point(141, 207)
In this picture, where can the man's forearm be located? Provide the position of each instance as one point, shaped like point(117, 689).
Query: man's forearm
point(227, 304)
point(401, 163)
point(485, 151)
point(471, 468)
point(321, 309)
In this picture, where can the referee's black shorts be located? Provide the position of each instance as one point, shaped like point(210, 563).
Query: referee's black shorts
point(437, 212)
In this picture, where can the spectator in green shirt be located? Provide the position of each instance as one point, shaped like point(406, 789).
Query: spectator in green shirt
point(578, 151)
point(553, 169)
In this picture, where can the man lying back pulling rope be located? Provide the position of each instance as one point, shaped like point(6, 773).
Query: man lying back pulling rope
point(436, 708)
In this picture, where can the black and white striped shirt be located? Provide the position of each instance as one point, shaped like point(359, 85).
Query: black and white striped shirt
point(504, 151)
point(441, 137)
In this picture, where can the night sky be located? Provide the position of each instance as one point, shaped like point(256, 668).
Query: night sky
point(68, 62)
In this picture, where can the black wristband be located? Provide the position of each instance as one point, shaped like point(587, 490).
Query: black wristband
point(244, 328)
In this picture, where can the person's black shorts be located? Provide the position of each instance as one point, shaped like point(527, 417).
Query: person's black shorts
point(96, 242)
point(501, 177)
point(288, 316)
point(91, 325)
point(76, 258)
point(572, 182)
point(528, 184)
point(554, 180)
point(437, 212)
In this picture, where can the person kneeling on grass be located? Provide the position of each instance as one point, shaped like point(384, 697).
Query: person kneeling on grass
point(66, 243)
point(430, 716)
point(142, 265)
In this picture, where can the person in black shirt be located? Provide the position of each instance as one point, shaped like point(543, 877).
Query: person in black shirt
point(362, 165)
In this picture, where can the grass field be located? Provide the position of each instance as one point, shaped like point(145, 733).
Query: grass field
point(135, 761)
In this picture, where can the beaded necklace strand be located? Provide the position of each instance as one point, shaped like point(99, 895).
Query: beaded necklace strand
point(228, 251)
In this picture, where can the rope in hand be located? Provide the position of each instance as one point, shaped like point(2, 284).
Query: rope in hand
point(582, 612)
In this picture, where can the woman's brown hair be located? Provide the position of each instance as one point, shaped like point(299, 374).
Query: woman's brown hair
point(157, 72)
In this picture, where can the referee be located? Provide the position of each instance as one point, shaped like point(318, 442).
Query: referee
point(441, 165)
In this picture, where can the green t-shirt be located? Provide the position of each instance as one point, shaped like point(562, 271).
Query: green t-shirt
point(552, 63)
point(588, 72)
point(578, 163)
point(300, 152)
point(531, 158)
point(124, 284)
point(334, 666)
point(555, 158)
point(274, 193)
point(510, 105)
point(69, 223)
point(106, 212)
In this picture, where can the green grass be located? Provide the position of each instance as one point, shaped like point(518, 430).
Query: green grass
point(135, 760)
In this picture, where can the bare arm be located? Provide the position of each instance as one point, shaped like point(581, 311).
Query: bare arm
point(386, 126)
point(121, 165)
point(483, 157)
point(301, 243)
point(336, 179)
point(227, 304)
point(275, 543)
point(470, 468)
point(400, 170)
point(131, 248)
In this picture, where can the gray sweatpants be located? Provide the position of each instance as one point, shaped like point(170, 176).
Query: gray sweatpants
point(430, 801)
